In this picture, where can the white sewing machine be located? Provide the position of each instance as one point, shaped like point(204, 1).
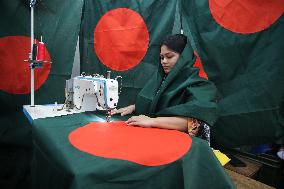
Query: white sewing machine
point(83, 93)
point(90, 93)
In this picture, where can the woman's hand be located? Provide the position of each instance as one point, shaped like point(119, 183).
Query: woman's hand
point(141, 120)
point(124, 111)
point(193, 126)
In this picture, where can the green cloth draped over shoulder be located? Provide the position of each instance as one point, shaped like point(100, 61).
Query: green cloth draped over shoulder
point(183, 93)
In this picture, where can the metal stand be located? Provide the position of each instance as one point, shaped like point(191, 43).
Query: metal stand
point(34, 63)
point(32, 4)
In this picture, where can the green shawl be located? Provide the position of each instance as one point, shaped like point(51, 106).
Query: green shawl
point(183, 93)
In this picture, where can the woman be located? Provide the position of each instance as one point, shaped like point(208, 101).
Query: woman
point(175, 97)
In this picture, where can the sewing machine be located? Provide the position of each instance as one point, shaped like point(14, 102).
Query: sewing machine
point(82, 93)
point(90, 93)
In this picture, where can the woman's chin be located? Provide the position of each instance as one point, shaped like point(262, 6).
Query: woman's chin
point(166, 71)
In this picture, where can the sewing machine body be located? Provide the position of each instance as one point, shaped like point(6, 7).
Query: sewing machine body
point(90, 93)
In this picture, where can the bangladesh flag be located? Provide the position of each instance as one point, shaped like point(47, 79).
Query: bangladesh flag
point(80, 151)
point(241, 44)
point(58, 23)
point(124, 37)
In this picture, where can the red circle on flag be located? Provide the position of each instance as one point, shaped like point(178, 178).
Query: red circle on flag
point(199, 65)
point(121, 39)
point(145, 146)
point(243, 16)
point(15, 77)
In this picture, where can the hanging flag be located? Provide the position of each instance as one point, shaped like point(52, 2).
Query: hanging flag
point(58, 23)
point(241, 44)
point(124, 37)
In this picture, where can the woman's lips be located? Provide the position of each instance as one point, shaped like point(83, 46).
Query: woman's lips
point(166, 67)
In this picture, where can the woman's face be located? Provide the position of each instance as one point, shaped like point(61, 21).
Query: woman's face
point(168, 58)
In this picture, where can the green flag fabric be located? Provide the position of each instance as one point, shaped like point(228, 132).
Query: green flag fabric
point(124, 37)
point(58, 23)
point(67, 167)
point(183, 92)
point(240, 46)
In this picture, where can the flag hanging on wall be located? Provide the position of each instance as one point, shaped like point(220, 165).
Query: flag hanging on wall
point(58, 23)
point(241, 44)
point(124, 37)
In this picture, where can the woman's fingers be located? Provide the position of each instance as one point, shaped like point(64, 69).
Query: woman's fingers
point(133, 123)
point(128, 121)
point(141, 120)
point(123, 111)
point(128, 110)
point(114, 111)
point(132, 119)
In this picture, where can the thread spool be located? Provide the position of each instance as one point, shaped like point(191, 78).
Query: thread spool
point(40, 51)
point(35, 49)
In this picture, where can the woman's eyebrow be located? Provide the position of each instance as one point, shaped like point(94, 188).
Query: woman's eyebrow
point(165, 54)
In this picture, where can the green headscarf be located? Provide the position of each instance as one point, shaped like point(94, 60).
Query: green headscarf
point(183, 93)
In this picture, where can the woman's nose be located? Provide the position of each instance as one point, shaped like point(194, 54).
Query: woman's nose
point(164, 61)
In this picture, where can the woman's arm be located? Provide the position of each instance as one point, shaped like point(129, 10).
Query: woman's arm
point(176, 123)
